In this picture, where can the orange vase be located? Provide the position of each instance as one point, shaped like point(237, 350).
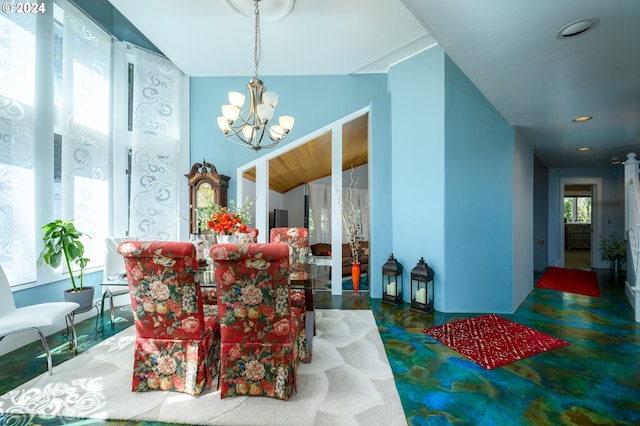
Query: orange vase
point(355, 276)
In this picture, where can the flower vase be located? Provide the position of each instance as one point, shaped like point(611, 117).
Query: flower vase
point(226, 239)
point(355, 276)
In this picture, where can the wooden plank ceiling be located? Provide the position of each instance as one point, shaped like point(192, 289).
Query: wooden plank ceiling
point(312, 160)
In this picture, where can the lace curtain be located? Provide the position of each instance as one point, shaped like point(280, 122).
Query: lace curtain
point(17, 199)
point(320, 201)
point(155, 139)
point(86, 128)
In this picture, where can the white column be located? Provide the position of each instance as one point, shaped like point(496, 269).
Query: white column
point(262, 200)
point(336, 206)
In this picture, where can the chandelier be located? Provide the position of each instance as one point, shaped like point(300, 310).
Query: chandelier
point(248, 127)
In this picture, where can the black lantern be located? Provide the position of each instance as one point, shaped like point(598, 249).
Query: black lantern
point(392, 282)
point(422, 288)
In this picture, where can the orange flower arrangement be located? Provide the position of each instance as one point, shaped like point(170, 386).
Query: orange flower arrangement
point(226, 223)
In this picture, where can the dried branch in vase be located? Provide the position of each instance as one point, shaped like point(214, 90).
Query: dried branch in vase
point(351, 214)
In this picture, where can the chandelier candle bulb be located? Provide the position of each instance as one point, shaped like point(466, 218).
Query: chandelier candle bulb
point(236, 99)
point(270, 98)
point(286, 122)
point(265, 112)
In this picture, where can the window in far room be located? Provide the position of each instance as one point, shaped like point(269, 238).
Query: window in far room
point(577, 209)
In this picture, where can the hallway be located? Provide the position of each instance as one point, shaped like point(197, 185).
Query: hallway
point(577, 259)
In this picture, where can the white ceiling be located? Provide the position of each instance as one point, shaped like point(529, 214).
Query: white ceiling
point(509, 49)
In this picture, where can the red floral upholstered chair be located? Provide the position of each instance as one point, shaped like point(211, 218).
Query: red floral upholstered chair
point(252, 233)
point(302, 294)
point(177, 337)
point(261, 335)
point(298, 241)
point(209, 294)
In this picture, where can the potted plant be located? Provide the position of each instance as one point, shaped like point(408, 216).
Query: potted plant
point(225, 221)
point(62, 240)
point(614, 248)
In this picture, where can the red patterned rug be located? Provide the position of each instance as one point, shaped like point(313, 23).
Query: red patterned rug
point(492, 341)
point(570, 280)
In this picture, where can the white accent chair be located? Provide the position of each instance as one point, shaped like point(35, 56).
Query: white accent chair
point(34, 317)
point(114, 281)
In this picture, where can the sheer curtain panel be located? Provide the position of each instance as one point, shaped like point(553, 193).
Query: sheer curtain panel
point(17, 143)
point(155, 168)
point(85, 125)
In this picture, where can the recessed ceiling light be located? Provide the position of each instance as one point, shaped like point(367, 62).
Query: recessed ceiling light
point(582, 119)
point(577, 28)
point(584, 148)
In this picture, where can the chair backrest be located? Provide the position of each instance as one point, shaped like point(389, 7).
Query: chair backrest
point(253, 233)
point(298, 241)
point(253, 288)
point(7, 303)
point(165, 298)
point(113, 261)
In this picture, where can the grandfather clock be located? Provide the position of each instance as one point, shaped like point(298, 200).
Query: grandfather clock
point(205, 186)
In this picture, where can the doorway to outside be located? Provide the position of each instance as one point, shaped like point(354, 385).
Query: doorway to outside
point(578, 229)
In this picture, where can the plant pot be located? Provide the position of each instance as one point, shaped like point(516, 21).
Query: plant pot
point(226, 239)
point(616, 264)
point(84, 298)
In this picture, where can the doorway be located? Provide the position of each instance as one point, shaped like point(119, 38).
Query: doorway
point(578, 225)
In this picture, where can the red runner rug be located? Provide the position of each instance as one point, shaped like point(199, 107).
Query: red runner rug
point(570, 280)
point(492, 341)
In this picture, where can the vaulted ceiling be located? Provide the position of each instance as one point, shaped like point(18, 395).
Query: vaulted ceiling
point(312, 161)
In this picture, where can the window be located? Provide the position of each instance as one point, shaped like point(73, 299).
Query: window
point(57, 141)
point(577, 209)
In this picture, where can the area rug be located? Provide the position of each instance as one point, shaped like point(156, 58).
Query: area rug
point(570, 280)
point(492, 341)
point(349, 381)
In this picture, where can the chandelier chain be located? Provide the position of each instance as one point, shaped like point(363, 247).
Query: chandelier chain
point(257, 47)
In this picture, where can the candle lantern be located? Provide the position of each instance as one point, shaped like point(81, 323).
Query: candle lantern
point(392, 282)
point(422, 288)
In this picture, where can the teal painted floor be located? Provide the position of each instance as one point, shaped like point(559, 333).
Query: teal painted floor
point(593, 381)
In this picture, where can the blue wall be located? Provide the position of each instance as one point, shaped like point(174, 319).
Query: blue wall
point(380, 197)
point(314, 102)
point(452, 180)
point(479, 153)
point(418, 165)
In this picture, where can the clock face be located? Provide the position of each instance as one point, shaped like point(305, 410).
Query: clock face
point(204, 195)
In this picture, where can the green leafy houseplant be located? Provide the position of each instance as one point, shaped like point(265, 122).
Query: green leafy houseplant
point(62, 240)
point(613, 246)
